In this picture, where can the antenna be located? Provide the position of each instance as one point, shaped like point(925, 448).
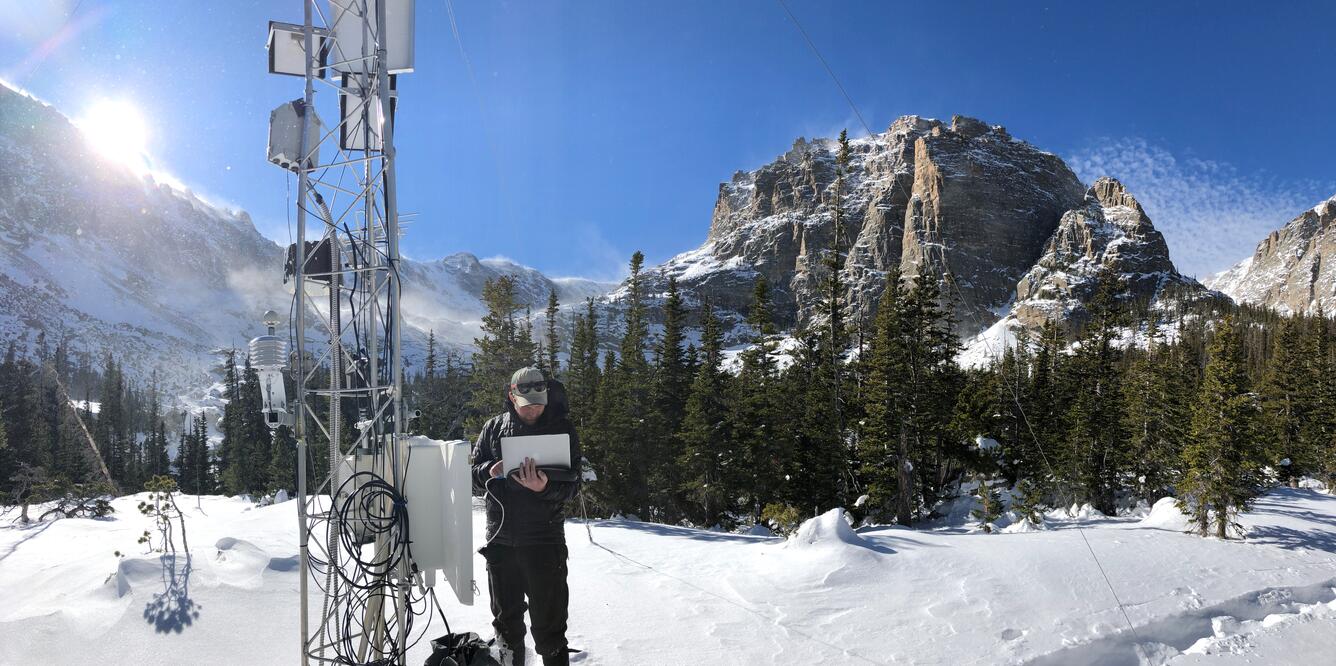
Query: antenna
point(346, 331)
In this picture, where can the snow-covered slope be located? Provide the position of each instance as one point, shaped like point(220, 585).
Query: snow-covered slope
point(650, 594)
point(445, 296)
point(110, 261)
point(1293, 269)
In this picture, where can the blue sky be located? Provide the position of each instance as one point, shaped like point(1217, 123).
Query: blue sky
point(596, 128)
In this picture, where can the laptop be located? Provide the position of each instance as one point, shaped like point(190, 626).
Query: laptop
point(546, 451)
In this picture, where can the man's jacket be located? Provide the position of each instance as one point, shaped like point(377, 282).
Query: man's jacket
point(529, 517)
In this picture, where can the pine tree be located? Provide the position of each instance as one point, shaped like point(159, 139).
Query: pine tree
point(819, 455)
point(884, 446)
point(282, 470)
point(553, 341)
point(582, 371)
point(256, 437)
point(1027, 503)
point(1320, 432)
point(432, 361)
point(764, 455)
point(1222, 467)
point(1155, 411)
point(707, 452)
point(990, 504)
point(1040, 429)
point(627, 399)
point(1287, 391)
point(112, 430)
point(671, 380)
point(505, 346)
point(1095, 451)
point(837, 336)
point(232, 451)
point(194, 469)
point(608, 493)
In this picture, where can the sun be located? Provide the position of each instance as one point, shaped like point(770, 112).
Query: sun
point(116, 130)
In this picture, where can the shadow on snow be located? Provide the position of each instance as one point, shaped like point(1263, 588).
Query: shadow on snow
point(172, 610)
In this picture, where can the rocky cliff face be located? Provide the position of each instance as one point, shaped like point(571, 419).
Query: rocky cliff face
point(1293, 270)
point(1109, 231)
point(1016, 238)
point(964, 200)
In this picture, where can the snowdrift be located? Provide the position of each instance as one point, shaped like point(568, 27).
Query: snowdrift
point(1166, 515)
point(830, 529)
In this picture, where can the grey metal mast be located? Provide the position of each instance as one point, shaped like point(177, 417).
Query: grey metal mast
point(347, 286)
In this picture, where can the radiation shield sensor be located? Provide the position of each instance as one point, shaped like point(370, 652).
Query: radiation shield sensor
point(268, 355)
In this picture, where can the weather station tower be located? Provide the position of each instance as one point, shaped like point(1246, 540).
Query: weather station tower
point(380, 512)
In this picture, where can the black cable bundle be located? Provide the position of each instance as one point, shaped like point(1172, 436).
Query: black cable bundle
point(367, 509)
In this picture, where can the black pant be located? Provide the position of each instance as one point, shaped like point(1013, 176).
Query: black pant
point(538, 572)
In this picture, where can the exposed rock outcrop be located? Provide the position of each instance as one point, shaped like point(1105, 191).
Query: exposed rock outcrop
point(964, 199)
point(1293, 269)
point(1110, 231)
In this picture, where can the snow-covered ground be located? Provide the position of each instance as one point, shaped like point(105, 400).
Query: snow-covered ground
point(653, 594)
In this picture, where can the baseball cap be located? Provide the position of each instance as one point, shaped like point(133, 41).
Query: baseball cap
point(529, 387)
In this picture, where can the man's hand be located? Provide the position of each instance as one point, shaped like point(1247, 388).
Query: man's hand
point(497, 470)
point(530, 476)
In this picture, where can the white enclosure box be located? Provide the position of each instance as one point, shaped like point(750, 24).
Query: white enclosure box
point(285, 131)
point(438, 490)
point(287, 48)
point(349, 31)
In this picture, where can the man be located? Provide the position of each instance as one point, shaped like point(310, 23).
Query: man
point(526, 536)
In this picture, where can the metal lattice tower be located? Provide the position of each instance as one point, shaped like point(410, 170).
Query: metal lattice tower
point(347, 328)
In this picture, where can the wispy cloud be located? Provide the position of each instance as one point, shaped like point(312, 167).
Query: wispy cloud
point(1211, 214)
point(602, 261)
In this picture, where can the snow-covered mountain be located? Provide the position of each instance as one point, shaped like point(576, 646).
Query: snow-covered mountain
point(445, 296)
point(111, 261)
point(1293, 269)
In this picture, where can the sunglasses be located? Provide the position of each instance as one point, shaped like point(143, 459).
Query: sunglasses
point(530, 387)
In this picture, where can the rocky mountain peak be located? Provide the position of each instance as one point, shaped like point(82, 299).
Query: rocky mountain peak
point(1109, 232)
point(963, 200)
point(1110, 192)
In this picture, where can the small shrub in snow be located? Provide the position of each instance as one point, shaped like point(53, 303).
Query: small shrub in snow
point(989, 509)
point(782, 518)
point(1028, 503)
point(25, 486)
point(86, 500)
point(161, 507)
